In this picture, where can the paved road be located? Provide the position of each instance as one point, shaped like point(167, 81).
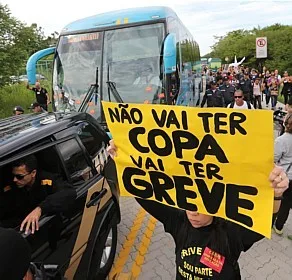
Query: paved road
point(146, 252)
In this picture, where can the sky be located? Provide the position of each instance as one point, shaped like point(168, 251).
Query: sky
point(203, 18)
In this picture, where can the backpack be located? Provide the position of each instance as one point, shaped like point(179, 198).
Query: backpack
point(232, 105)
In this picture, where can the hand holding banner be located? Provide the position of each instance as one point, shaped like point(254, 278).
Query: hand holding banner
point(214, 161)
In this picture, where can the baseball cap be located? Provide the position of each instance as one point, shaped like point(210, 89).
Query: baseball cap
point(225, 78)
point(33, 105)
point(18, 108)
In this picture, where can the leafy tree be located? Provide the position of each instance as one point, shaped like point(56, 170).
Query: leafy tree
point(17, 43)
point(242, 43)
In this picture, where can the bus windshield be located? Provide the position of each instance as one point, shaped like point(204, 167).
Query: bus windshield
point(130, 58)
point(76, 60)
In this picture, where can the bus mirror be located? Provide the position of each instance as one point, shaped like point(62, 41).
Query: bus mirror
point(32, 62)
point(169, 54)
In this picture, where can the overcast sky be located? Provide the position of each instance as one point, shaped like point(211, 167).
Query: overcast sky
point(204, 18)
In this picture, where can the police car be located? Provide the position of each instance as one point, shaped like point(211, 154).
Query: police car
point(80, 243)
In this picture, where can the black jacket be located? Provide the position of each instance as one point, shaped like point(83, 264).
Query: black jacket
point(246, 86)
point(214, 99)
point(49, 192)
point(227, 93)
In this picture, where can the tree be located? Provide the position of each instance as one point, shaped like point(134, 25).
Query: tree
point(17, 43)
point(242, 43)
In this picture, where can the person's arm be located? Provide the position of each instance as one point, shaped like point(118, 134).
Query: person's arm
point(221, 99)
point(48, 99)
point(28, 87)
point(61, 200)
point(167, 215)
point(280, 183)
point(251, 86)
point(279, 149)
point(204, 99)
point(48, 96)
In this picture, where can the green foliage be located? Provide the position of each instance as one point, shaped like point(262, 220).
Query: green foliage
point(17, 43)
point(18, 94)
point(11, 96)
point(242, 43)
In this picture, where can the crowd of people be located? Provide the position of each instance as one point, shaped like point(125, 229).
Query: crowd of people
point(255, 86)
point(42, 98)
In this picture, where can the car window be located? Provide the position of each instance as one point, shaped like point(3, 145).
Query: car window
point(75, 161)
point(49, 160)
point(90, 138)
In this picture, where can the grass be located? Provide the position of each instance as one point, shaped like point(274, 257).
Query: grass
point(18, 94)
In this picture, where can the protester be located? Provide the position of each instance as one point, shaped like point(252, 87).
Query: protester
point(257, 94)
point(224, 240)
point(245, 85)
point(266, 78)
point(238, 102)
point(273, 85)
point(283, 158)
point(286, 82)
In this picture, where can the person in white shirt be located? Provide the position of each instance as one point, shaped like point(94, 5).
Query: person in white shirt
point(257, 92)
point(238, 102)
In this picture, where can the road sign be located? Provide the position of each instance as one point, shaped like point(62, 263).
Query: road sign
point(261, 47)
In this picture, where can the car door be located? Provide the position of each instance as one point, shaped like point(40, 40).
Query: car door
point(96, 194)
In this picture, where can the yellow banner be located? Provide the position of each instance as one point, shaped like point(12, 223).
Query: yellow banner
point(215, 161)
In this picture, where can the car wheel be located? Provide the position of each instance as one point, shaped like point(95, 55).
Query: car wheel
point(104, 253)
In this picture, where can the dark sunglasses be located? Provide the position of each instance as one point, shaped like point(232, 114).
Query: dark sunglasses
point(20, 176)
point(238, 97)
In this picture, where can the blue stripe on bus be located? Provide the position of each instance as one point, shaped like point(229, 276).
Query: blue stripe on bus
point(122, 16)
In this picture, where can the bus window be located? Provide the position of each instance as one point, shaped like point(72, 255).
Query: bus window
point(76, 60)
point(132, 60)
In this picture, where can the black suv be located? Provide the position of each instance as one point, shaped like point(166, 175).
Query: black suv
point(80, 243)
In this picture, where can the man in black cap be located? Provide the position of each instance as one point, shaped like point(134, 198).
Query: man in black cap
point(213, 96)
point(227, 90)
point(33, 193)
point(36, 108)
point(18, 110)
point(15, 255)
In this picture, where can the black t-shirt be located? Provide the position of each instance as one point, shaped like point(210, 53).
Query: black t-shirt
point(40, 95)
point(191, 243)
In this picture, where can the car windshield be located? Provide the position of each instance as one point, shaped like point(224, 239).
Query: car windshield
point(131, 60)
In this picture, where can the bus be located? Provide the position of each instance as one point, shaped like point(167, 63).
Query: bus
point(139, 55)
